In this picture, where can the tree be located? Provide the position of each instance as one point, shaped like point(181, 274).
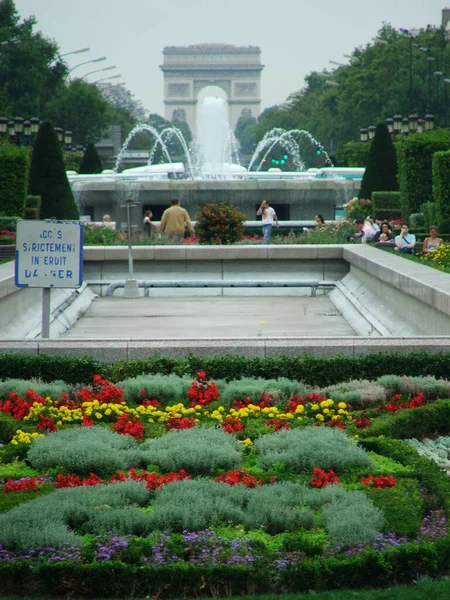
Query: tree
point(48, 177)
point(381, 169)
point(82, 109)
point(91, 162)
point(245, 133)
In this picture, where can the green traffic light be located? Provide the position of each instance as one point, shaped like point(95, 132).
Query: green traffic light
point(286, 156)
point(318, 152)
point(283, 162)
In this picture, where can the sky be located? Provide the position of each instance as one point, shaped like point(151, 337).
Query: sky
point(295, 36)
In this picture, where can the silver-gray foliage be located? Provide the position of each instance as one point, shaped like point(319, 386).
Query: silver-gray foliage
point(305, 449)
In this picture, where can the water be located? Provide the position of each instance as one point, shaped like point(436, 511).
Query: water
point(140, 129)
point(287, 140)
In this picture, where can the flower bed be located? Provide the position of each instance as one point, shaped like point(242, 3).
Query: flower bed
point(218, 490)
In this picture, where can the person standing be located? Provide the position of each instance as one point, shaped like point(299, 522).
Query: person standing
point(268, 217)
point(147, 223)
point(174, 220)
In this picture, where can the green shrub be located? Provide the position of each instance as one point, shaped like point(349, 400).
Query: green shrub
point(353, 154)
point(166, 388)
point(42, 388)
point(381, 167)
point(349, 517)
point(14, 165)
point(32, 207)
point(9, 222)
point(49, 368)
point(84, 450)
point(127, 520)
point(91, 162)
point(357, 393)
point(386, 205)
point(441, 185)
point(305, 449)
point(401, 505)
point(417, 221)
point(199, 450)
point(219, 223)
point(281, 389)
point(8, 427)
point(415, 167)
point(48, 177)
point(52, 520)
point(437, 450)
point(429, 213)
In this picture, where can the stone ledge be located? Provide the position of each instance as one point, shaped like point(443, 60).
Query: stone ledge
point(428, 285)
point(121, 349)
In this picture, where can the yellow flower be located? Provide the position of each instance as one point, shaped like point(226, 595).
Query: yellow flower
point(248, 442)
point(320, 417)
point(98, 415)
point(342, 405)
point(314, 407)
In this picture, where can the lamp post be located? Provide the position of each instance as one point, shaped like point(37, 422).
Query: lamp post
point(87, 62)
point(98, 71)
point(105, 78)
point(23, 132)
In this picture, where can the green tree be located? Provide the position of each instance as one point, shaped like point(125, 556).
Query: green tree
point(245, 133)
point(82, 109)
point(381, 169)
point(48, 177)
point(91, 162)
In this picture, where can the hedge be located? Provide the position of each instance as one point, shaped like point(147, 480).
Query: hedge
point(312, 370)
point(441, 185)
point(428, 210)
point(115, 579)
point(415, 157)
point(386, 205)
point(14, 165)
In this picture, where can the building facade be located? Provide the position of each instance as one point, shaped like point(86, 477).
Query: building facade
point(189, 69)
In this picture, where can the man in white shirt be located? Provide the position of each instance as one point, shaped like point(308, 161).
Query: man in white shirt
point(405, 242)
point(268, 218)
point(366, 232)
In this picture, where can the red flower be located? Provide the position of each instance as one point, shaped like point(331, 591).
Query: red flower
point(46, 424)
point(87, 421)
point(232, 425)
point(25, 484)
point(323, 478)
point(277, 424)
point(201, 392)
point(127, 426)
point(381, 481)
point(239, 478)
point(396, 402)
point(185, 423)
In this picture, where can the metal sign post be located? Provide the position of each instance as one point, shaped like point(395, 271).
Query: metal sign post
point(131, 289)
point(49, 254)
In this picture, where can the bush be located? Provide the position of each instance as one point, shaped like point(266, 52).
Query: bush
point(417, 221)
point(32, 207)
point(51, 520)
point(83, 450)
point(53, 390)
point(386, 205)
point(219, 223)
point(281, 389)
point(14, 165)
point(91, 162)
point(415, 167)
point(201, 451)
point(166, 388)
point(381, 168)
point(9, 223)
point(353, 154)
point(441, 185)
point(429, 214)
point(48, 177)
point(305, 449)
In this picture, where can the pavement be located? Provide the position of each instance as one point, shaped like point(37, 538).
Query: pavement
point(210, 317)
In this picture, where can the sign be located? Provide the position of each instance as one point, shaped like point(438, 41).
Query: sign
point(49, 254)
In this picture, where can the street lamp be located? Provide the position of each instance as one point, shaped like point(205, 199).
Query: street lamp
point(429, 122)
point(390, 124)
point(3, 125)
point(74, 52)
point(98, 71)
point(105, 78)
point(397, 123)
point(371, 132)
point(413, 123)
point(88, 62)
point(363, 134)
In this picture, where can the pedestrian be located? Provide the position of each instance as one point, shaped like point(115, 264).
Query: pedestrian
point(147, 224)
point(106, 222)
point(268, 217)
point(174, 221)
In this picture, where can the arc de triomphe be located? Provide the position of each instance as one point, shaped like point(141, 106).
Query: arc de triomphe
point(188, 69)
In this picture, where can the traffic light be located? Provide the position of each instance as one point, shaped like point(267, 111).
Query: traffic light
point(285, 156)
point(318, 151)
point(281, 161)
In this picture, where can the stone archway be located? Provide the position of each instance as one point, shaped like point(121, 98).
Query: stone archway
point(234, 69)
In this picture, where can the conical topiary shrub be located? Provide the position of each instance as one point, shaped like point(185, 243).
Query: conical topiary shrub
point(91, 162)
point(48, 177)
point(381, 170)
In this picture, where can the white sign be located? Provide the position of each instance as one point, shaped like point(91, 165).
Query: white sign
point(49, 254)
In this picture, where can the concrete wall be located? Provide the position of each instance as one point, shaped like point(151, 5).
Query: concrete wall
point(302, 199)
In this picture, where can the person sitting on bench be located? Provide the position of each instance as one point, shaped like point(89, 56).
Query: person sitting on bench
point(405, 243)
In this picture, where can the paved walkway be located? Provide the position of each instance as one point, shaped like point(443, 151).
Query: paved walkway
point(212, 317)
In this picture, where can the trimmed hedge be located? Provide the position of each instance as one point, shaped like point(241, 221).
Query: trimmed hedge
point(429, 213)
point(32, 207)
point(441, 185)
point(14, 165)
point(309, 369)
point(415, 158)
point(386, 205)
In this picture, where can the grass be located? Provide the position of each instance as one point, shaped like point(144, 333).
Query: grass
point(416, 259)
point(424, 588)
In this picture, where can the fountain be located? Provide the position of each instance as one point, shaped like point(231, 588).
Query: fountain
point(211, 171)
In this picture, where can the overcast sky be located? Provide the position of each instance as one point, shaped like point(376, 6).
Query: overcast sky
point(295, 36)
